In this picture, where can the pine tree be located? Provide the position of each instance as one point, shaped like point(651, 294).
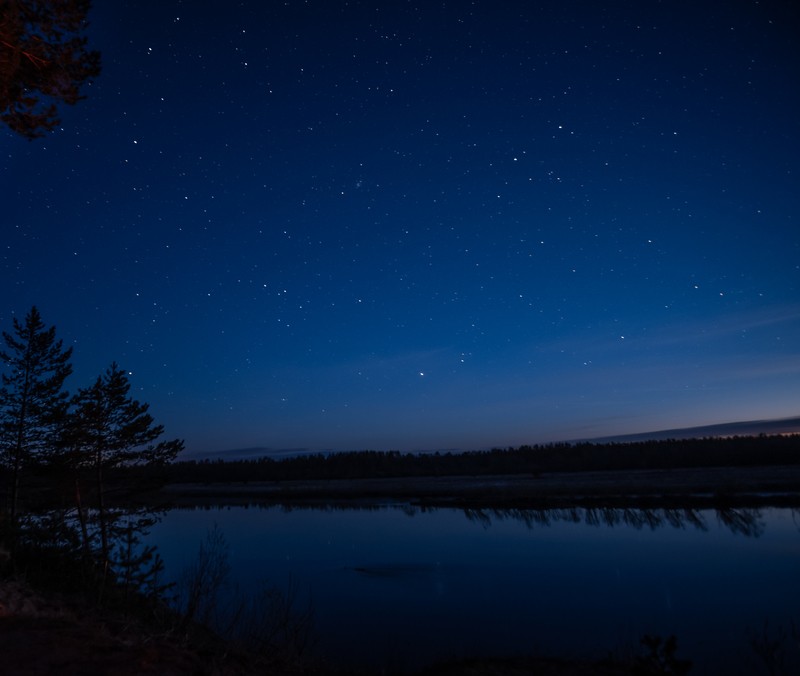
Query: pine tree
point(139, 566)
point(43, 60)
point(33, 403)
point(109, 430)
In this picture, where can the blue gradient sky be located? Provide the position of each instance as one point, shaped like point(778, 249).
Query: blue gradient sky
point(347, 225)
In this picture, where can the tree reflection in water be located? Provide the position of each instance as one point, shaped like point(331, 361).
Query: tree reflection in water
point(744, 521)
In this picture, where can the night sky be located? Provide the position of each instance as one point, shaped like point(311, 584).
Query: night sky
point(423, 225)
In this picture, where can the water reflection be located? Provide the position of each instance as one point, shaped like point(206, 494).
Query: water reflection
point(401, 580)
point(745, 521)
point(741, 521)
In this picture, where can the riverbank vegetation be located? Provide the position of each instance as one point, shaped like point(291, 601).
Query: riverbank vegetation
point(58, 454)
point(76, 568)
point(531, 460)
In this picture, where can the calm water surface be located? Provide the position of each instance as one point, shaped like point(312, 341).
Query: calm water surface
point(395, 586)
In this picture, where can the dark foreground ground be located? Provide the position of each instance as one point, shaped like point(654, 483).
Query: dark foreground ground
point(42, 635)
point(47, 635)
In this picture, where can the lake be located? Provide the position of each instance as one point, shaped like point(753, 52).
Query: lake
point(399, 587)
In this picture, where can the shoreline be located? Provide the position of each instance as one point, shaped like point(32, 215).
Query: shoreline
point(750, 486)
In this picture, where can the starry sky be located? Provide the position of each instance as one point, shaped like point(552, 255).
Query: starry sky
point(423, 225)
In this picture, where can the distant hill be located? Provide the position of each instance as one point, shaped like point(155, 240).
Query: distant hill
point(743, 429)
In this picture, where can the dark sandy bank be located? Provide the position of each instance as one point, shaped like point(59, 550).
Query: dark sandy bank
point(777, 485)
point(42, 634)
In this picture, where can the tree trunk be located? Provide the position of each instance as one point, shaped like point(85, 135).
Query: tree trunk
point(82, 521)
point(101, 522)
point(17, 464)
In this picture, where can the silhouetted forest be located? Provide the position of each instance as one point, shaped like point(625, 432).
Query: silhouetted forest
point(66, 467)
point(737, 451)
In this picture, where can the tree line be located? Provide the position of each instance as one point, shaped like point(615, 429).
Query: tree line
point(65, 452)
point(736, 451)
